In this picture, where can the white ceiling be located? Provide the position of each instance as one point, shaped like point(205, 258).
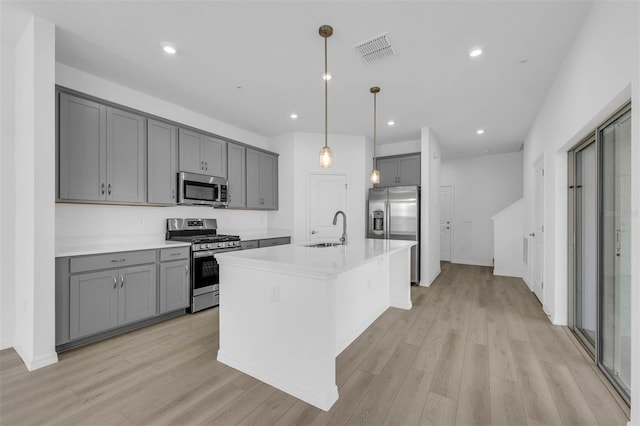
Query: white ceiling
point(272, 50)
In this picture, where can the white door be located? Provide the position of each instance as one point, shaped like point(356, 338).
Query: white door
point(327, 195)
point(537, 235)
point(446, 216)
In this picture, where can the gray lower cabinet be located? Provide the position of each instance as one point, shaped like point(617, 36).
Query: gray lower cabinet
point(399, 170)
point(236, 171)
point(162, 167)
point(203, 154)
point(262, 180)
point(101, 152)
point(99, 301)
point(270, 242)
point(174, 285)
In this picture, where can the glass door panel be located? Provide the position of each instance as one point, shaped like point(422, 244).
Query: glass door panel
point(586, 240)
point(615, 333)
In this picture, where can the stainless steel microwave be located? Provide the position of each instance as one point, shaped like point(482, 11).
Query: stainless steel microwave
point(201, 190)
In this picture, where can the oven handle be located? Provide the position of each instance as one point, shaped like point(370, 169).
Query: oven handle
point(208, 253)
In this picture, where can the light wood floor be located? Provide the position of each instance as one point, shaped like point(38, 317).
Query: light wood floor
point(475, 349)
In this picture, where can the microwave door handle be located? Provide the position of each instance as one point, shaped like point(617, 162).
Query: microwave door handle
point(387, 210)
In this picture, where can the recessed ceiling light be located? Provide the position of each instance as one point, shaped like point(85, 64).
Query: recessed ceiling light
point(480, 131)
point(169, 49)
point(391, 123)
point(475, 52)
point(486, 151)
point(326, 77)
point(294, 116)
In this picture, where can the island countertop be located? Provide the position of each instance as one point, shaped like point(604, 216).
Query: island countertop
point(316, 260)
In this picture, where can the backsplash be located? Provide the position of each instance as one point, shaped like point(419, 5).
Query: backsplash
point(92, 223)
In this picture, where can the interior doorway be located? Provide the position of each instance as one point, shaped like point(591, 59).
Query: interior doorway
point(446, 221)
point(537, 236)
point(327, 195)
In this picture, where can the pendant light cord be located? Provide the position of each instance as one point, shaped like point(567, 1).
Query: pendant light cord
point(326, 95)
point(375, 115)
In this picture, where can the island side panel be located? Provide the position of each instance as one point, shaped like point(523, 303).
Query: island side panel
point(400, 279)
point(279, 328)
point(362, 295)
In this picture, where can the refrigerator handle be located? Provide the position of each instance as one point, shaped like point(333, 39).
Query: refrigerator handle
point(387, 219)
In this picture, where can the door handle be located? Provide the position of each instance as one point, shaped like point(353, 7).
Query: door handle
point(314, 232)
point(533, 234)
point(121, 281)
point(448, 227)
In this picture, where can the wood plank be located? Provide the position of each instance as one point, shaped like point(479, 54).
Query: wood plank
point(407, 407)
point(474, 403)
point(500, 358)
point(350, 394)
point(242, 405)
point(300, 414)
point(446, 381)
point(438, 411)
point(506, 403)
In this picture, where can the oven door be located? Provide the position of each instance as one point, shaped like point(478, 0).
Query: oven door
point(206, 271)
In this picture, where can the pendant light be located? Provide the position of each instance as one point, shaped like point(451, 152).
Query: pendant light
point(326, 156)
point(374, 177)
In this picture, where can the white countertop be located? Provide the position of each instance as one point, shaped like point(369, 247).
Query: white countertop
point(325, 260)
point(256, 234)
point(111, 247)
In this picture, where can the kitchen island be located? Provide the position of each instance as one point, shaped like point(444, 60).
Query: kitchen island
point(286, 312)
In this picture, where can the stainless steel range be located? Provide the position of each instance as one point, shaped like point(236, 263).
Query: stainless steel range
point(205, 243)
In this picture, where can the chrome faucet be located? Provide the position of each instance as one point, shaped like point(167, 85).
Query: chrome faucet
point(343, 238)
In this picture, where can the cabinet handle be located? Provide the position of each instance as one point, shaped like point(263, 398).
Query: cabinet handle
point(175, 254)
point(186, 270)
point(202, 165)
point(206, 165)
point(121, 281)
point(109, 189)
point(115, 282)
point(173, 194)
point(102, 188)
point(118, 260)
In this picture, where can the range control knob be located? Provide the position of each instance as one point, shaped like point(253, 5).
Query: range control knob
point(209, 246)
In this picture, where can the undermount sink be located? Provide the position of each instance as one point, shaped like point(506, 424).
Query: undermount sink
point(319, 245)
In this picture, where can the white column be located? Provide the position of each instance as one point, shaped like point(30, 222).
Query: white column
point(429, 209)
point(34, 338)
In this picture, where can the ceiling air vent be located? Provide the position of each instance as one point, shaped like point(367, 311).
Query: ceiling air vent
point(375, 49)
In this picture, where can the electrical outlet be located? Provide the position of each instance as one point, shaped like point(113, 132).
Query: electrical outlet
point(275, 294)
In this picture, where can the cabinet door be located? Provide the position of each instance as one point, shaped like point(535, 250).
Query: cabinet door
point(125, 156)
point(161, 154)
point(136, 293)
point(214, 156)
point(388, 168)
point(236, 170)
point(174, 285)
point(268, 181)
point(254, 197)
point(82, 151)
point(190, 144)
point(409, 170)
point(93, 304)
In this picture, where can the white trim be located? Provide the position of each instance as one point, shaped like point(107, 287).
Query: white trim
point(37, 362)
point(475, 262)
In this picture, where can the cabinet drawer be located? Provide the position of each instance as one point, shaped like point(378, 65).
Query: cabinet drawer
point(250, 244)
point(275, 241)
point(174, 253)
point(111, 260)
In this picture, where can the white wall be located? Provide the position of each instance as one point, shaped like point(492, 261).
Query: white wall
point(508, 240)
point(7, 194)
point(430, 163)
point(396, 148)
point(299, 158)
point(34, 338)
point(482, 186)
point(599, 74)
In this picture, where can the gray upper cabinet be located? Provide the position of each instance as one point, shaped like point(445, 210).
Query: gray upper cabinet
point(202, 154)
point(162, 162)
point(82, 149)
point(236, 168)
point(399, 170)
point(125, 156)
point(101, 152)
point(262, 180)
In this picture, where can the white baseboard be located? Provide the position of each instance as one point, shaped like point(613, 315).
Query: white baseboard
point(34, 363)
point(431, 280)
point(474, 262)
point(507, 273)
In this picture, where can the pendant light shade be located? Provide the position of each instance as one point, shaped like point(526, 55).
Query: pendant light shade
point(374, 176)
point(326, 155)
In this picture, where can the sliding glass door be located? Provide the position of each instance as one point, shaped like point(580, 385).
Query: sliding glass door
point(615, 339)
point(600, 209)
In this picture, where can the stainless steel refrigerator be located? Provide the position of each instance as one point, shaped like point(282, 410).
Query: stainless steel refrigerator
point(394, 214)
